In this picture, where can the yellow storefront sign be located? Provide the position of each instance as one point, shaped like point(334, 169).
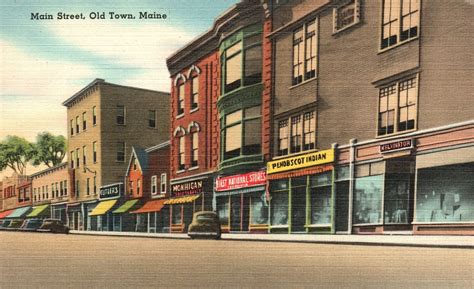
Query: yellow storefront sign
point(301, 161)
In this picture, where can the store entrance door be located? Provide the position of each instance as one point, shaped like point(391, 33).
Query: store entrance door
point(235, 213)
point(342, 206)
point(298, 209)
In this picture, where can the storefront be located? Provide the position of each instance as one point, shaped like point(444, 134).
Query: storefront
point(186, 198)
point(241, 202)
point(41, 212)
point(74, 213)
point(153, 216)
point(101, 217)
point(302, 192)
point(58, 211)
point(123, 221)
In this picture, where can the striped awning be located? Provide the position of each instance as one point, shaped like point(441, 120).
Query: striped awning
point(37, 210)
point(181, 200)
point(19, 213)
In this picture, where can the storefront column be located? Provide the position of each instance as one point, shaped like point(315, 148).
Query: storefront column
point(290, 195)
point(351, 183)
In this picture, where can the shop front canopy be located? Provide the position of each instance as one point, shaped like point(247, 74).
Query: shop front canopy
point(5, 214)
point(150, 206)
point(102, 208)
point(37, 211)
point(181, 200)
point(125, 207)
point(19, 213)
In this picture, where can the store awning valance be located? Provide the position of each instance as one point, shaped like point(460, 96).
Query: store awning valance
point(37, 211)
point(301, 172)
point(151, 206)
point(125, 207)
point(181, 200)
point(240, 191)
point(102, 208)
point(5, 214)
point(19, 213)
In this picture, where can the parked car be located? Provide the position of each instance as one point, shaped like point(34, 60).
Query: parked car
point(53, 226)
point(4, 224)
point(31, 225)
point(205, 224)
point(15, 224)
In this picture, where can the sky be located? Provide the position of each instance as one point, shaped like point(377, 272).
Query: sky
point(44, 62)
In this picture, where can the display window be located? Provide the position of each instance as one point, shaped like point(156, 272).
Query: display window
point(321, 199)
point(258, 209)
point(445, 194)
point(368, 199)
point(279, 202)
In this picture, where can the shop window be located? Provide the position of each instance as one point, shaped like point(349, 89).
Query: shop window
point(397, 107)
point(154, 188)
point(194, 92)
point(279, 191)
point(152, 118)
point(94, 115)
point(300, 136)
point(368, 200)
point(120, 147)
point(223, 210)
point(321, 198)
point(120, 115)
point(84, 121)
point(444, 194)
point(242, 59)
point(346, 15)
point(163, 184)
point(176, 217)
point(400, 21)
point(304, 52)
point(258, 209)
point(242, 133)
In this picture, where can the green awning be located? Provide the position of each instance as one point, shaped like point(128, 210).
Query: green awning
point(125, 207)
point(19, 213)
point(37, 210)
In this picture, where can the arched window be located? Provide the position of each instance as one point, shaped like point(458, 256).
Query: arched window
point(193, 75)
point(180, 133)
point(179, 84)
point(193, 130)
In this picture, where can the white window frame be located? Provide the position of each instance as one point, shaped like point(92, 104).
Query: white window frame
point(343, 5)
point(154, 185)
point(163, 181)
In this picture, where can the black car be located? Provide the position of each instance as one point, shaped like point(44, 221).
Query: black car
point(31, 225)
point(53, 226)
point(205, 224)
point(15, 224)
point(4, 224)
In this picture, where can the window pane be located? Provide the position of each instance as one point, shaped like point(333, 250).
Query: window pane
point(253, 65)
point(233, 139)
point(395, 9)
point(222, 204)
point(252, 112)
point(233, 72)
point(321, 205)
point(279, 208)
point(368, 200)
point(397, 190)
point(253, 137)
point(386, 11)
point(233, 117)
point(283, 137)
point(258, 209)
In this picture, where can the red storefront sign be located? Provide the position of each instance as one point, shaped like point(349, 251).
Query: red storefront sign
point(241, 181)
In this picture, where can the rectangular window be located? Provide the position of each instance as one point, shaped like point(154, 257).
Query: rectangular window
point(310, 50)
point(346, 15)
point(233, 134)
point(94, 151)
point(298, 53)
point(53, 190)
point(57, 189)
point(71, 125)
point(181, 160)
point(253, 62)
point(120, 114)
point(47, 192)
point(77, 158)
point(163, 184)
point(368, 200)
point(233, 67)
point(138, 187)
point(283, 137)
point(95, 185)
point(296, 134)
point(84, 121)
point(154, 189)
point(309, 131)
point(94, 116)
point(397, 107)
point(77, 124)
point(152, 118)
point(77, 189)
point(181, 99)
point(400, 21)
point(71, 159)
point(195, 150)
point(65, 187)
point(131, 188)
point(88, 190)
point(120, 152)
point(84, 155)
point(305, 52)
point(195, 92)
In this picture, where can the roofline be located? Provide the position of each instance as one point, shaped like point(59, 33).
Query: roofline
point(158, 146)
point(102, 81)
point(48, 170)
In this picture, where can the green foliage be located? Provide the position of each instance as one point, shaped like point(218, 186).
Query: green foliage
point(48, 149)
point(15, 152)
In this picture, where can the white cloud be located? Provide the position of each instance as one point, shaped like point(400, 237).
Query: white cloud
point(141, 46)
point(33, 89)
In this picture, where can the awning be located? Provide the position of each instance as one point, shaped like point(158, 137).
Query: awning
point(5, 214)
point(37, 210)
point(151, 206)
point(240, 191)
point(125, 207)
point(19, 213)
point(102, 208)
point(181, 200)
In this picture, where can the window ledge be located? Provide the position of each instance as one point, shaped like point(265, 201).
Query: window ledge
point(296, 154)
point(180, 116)
point(193, 168)
point(318, 226)
point(337, 31)
point(121, 124)
point(395, 134)
point(194, 109)
point(397, 45)
point(150, 127)
point(180, 171)
point(303, 83)
point(278, 226)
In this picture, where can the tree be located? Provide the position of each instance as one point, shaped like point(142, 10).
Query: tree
point(49, 149)
point(15, 152)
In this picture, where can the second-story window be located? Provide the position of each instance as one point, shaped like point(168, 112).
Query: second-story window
point(95, 185)
point(194, 149)
point(120, 152)
point(194, 91)
point(77, 124)
point(305, 52)
point(346, 15)
point(152, 118)
point(163, 184)
point(154, 188)
point(71, 125)
point(94, 152)
point(120, 114)
point(72, 159)
point(88, 189)
point(283, 137)
point(84, 121)
point(94, 116)
point(138, 186)
point(400, 21)
point(84, 155)
point(77, 158)
point(297, 133)
point(181, 156)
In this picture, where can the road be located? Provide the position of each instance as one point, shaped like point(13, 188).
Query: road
point(37, 260)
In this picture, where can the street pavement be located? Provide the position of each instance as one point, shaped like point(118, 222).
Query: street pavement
point(41, 260)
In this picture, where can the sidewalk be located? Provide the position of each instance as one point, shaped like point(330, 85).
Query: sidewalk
point(466, 242)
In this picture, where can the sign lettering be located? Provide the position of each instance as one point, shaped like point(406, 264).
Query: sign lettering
point(301, 161)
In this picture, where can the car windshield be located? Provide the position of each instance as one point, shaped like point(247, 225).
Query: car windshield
point(34, 224)
point(206, 217)
point(6, 223)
